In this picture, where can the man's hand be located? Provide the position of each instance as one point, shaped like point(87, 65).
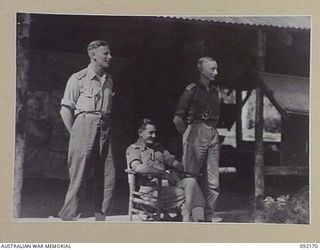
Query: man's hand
point(173, 178)
point(67, 117)
point(150, 163)
point(180, 124)
point(176, 165)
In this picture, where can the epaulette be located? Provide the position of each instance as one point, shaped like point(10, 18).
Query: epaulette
point(82, 73)
point(191, 86)
point(135, 146)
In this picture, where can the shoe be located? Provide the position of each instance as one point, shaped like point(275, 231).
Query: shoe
point(216, 219)
point(65, 219)
point(54, 218)
point(99, 216)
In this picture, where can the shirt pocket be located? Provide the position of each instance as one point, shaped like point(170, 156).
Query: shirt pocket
point(91, 91)
point(147, 158)
point(196, 105)
point(87, 100)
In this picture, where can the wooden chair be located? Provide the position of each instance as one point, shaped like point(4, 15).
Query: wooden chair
point(145, 205)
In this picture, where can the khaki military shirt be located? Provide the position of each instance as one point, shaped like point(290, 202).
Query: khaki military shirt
point(86, 91)
point(197, 104)
point(156, 157)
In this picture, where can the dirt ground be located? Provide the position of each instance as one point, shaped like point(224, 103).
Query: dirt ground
point(42, 198)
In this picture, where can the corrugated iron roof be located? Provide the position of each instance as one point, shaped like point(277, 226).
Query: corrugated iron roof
point(292, 22)
point(290, 94)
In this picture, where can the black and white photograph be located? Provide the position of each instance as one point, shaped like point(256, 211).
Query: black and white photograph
point(162, 119)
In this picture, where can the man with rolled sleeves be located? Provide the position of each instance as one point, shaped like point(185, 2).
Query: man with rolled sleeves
point(147, 156)
point(196, 118)
point(85, 111)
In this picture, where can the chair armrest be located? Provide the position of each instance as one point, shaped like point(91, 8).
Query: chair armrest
point(130, 171)
point(160, 175)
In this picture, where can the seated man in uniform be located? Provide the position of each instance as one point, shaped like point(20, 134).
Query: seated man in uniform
point(146, 156)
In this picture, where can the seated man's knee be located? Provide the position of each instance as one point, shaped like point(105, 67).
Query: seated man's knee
point(191, 184)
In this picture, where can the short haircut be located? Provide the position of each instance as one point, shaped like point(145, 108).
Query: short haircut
point(205, 59)
point(95, 44)
point(142, 124)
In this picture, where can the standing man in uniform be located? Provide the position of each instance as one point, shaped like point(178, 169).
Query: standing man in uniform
point(196, 118)
point(85, 111)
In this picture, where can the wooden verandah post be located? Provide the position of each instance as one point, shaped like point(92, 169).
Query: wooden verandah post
point(22, 68)
point(238, 119)
point(259, 152)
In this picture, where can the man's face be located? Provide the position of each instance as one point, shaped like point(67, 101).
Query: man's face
point(209, 70)
point(148, 135)
point(102, 56)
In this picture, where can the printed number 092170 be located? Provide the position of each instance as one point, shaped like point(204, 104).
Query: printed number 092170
point(308, 245)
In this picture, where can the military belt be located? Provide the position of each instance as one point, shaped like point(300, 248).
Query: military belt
point(100, 114)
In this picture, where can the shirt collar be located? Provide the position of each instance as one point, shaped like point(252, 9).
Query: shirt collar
point(92, 74)
point(211, 86)
point(141, 144)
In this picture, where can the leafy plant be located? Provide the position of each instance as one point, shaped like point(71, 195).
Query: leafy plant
point(286, 209)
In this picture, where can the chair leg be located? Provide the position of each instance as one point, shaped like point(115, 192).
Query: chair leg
point(130, 208)
point(159, 200)
point(132, 184)
point(130, 212)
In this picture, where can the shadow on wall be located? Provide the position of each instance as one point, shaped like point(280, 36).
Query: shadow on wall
point(46, 137)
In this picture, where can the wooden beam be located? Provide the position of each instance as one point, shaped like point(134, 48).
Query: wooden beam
point(246, 98)
point(270, 96)
point(238, 119)
point(259, 152)
point(286, 170)
point(23, 29)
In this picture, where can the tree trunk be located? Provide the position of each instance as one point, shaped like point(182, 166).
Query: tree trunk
point(23, 28)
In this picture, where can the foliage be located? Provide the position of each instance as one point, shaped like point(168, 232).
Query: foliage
point(286, 209)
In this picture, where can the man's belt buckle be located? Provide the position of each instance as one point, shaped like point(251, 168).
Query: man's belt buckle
point(101, 115)
point(205, 115)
